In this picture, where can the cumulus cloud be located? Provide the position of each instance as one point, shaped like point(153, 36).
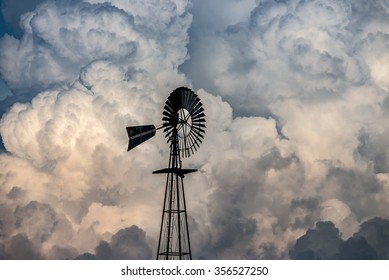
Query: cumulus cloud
point(310, 66)
point(320, 243)
point(295, 94)
point(325, 242)
point(69, 140)
point(61, 38)
point(127, 244)
point(375, 232)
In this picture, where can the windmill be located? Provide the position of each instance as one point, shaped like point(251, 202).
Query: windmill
point(184, 128)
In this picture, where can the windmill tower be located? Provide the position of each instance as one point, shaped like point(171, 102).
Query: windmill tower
point(183, 124)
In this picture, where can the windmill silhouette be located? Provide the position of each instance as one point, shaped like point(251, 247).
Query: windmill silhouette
point(184, 127)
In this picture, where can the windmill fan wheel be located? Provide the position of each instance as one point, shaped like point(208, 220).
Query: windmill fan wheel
point(184, 120)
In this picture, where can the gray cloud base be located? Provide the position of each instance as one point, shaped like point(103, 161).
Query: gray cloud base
point(325, 242)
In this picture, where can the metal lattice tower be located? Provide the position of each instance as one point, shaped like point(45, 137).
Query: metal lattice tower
point(184, 124)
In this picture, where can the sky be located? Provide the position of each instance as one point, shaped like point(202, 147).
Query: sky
point(295, 161)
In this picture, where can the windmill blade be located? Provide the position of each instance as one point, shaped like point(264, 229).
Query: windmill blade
point(197, 109)
point(139, 134)
point(199, 116)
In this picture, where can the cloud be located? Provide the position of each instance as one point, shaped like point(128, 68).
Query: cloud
point(21, 248)
point(325, 242)
point(88, 77)
point(310, 67)
point(340, 214)
point(296, 106)
point(298, 62)
point(292, 49)
point(127, 244)
point(356, 249)
point(320, 243)
point(375, 232)
point(60, 38)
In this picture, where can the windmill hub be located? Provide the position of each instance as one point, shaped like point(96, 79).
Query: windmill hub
point(184, 124)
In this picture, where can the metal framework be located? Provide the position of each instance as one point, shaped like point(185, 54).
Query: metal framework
point(174, 242)
point(184, 127)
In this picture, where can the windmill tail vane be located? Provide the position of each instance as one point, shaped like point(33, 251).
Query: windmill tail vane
point(139, 134)
point(184, 127)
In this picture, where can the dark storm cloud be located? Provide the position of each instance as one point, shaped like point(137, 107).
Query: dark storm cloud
point(356, 248)
point(21, 248)
point(325, 242)
point(320, 243)
point(376, 233)
point(127, 244)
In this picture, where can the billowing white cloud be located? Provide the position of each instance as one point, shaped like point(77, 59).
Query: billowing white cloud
point(60, 38)
point(98, 70)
